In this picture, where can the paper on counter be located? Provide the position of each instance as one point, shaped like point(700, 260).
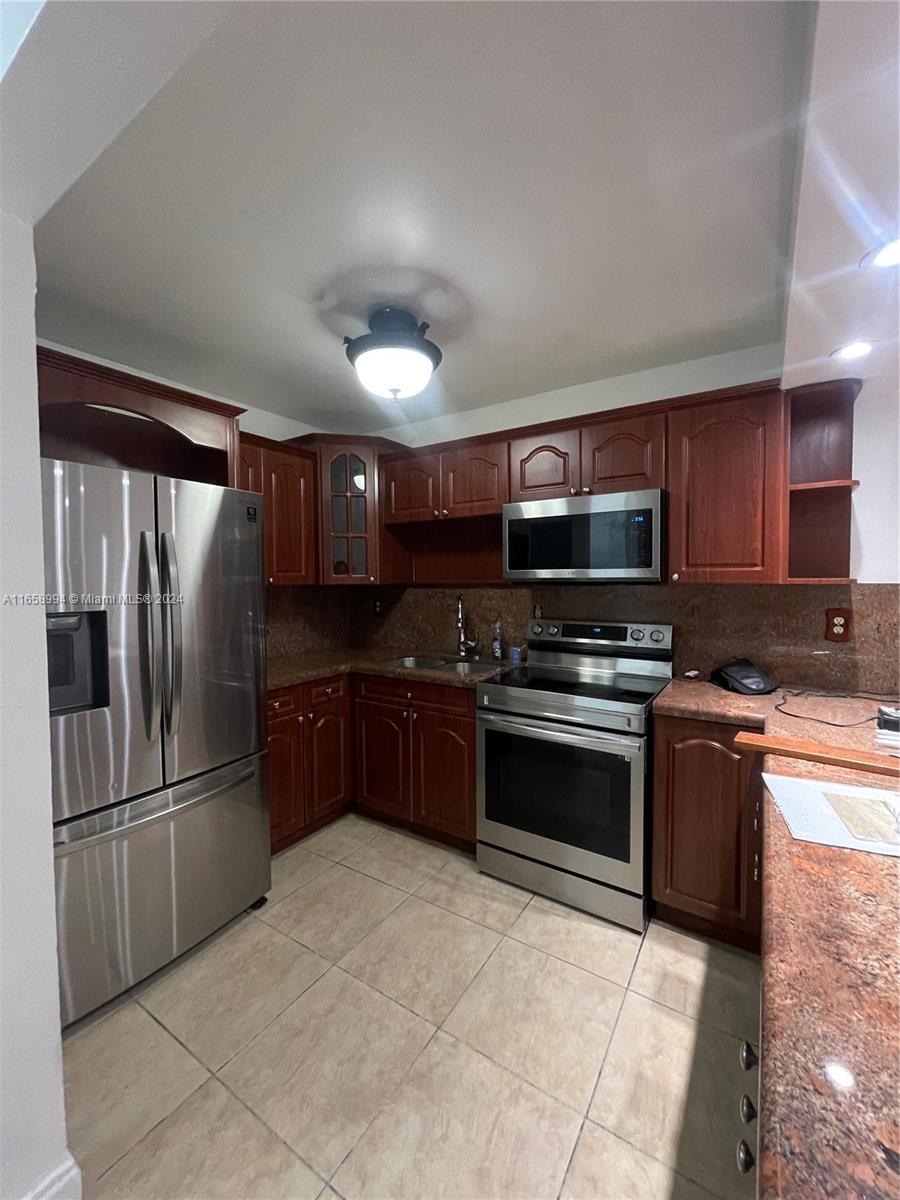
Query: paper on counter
point(835, 814)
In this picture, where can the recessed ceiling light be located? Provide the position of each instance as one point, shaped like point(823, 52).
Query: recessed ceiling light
point(852, 350)
point(887, 255)
point(394, 360)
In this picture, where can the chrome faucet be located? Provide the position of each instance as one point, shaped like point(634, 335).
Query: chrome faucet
point(463, 644)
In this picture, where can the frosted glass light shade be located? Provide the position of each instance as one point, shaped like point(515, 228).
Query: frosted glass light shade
point(393, 372)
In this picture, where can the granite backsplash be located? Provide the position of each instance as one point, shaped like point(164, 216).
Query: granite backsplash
point(780, 627)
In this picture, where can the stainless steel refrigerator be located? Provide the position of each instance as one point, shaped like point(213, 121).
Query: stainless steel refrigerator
point(156, 657)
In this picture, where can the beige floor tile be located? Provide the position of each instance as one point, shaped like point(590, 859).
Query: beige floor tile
point(399, 859)
point(542, 1018)
point(220, 999)
point(460, 1126)
point(336, 910)
point(342, 837)
point(422, 956)
point(461, 888)
point(583, 940)
point(318, 1074)
point(606, 1168)
point(122, 1076)
point(210, 1146)
point(671, 1086)
point(702, 979)
point(292, 869)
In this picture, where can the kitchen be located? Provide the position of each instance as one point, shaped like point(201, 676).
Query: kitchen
point(448, 825)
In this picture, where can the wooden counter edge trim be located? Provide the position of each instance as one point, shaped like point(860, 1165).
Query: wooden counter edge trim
point(833, 756)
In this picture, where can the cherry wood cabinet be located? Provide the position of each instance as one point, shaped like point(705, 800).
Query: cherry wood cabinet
point(310, 760)
point(415, 754)
point(348, 524)
point(706, 829)
point(287, 480)
point(443, 772)
point(250, 466)
point(627, 454)
point(545, 467)
point(475, 480)
point(411, 489)
point(727, 491)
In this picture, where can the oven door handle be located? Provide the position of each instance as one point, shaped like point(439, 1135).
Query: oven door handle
point(633, 747)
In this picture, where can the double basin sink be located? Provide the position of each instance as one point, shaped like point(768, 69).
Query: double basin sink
point(420, 662)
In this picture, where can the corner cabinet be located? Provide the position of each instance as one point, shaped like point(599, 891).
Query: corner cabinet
point(348, 525)
point(727, 491)
point(706, 829)
point(287, 480)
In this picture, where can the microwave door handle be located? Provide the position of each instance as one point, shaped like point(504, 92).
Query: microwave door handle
point(150, 625)
point(174, 655)
point(592, 741)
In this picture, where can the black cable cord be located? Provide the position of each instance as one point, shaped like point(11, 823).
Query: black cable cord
point(803, 695)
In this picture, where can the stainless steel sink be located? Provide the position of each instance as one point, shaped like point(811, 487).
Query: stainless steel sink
point(467, 668)
point(461, 666)
point(411, 661)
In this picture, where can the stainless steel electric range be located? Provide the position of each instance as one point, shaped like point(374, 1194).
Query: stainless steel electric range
point(563, 763)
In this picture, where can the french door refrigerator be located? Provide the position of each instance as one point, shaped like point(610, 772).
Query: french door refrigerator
point(156, 657)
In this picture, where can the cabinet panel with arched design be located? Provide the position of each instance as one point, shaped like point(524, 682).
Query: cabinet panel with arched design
point(624, 455)
point(348, 524)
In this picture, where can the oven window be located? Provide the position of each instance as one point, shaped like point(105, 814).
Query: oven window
point(616, 540)
point(559, 791)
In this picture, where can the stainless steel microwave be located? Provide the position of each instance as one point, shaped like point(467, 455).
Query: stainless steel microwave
point(615, 538)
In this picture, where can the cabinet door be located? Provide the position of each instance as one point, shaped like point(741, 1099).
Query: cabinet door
point(250, 468)
point(475, 480)
point(328, 762)
point(349, 527)
point(624, 455)
point(382, 758)
point(289, 497)
point(411, 489)
point(705, 804)
point(285, 776)
point(726, 485)
point(443, 784)
point(545, 468)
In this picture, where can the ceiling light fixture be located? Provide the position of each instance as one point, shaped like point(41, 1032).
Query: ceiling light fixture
point(394, 360)
point(851, 351)
point(887, 255)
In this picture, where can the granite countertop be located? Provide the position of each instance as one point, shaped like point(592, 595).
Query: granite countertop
point(289, 670)
point(829, 1120)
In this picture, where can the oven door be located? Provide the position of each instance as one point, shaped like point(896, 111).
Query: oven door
point(570, 798)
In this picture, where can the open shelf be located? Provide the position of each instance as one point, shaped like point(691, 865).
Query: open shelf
point(825, 484)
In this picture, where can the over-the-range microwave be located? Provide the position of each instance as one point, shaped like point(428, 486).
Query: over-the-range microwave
point(615, 538)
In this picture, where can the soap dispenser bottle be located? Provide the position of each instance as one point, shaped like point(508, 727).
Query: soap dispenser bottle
point(497, 642)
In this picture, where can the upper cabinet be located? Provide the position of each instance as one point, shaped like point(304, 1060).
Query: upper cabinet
point(618, 455)
point(287, 480)
point(470, 482)
point(347, 523)
point(624, 455)
point(727, 491)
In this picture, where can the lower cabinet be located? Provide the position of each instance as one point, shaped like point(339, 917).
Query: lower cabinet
point(706, 829)
point(310, 763)
point(415, 756)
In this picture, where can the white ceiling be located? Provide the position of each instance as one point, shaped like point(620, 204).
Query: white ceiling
point(565, 191)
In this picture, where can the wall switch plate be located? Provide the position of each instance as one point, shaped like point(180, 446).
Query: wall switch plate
point(838, 624)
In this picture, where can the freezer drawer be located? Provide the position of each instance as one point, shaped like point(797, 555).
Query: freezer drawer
point(140, 883)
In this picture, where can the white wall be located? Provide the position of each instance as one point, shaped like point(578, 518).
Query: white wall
point(875, 532)
point(254, 420)
point(640, 387)
point(34, 1159)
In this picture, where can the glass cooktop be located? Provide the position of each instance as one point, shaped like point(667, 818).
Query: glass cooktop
point(607, 686)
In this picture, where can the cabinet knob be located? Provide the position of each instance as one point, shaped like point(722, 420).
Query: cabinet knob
point(277, 704)
point(444, 512)
point(371, 579)
point(271, 579)
point(747, 1109)
point(436, 513)
point(744, 1157)
point(311, 716)
point(415, 714)
point(748, 1056)
point(328, 691)
point(675, 577)
point(409, 695)
point(573, 491)
point(300, 719)
point(585, 491)
point(405, 713)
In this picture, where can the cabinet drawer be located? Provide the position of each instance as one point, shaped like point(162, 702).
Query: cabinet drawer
point(336, 687)
point(283, 701)
point(382, 687)
point(421, 695)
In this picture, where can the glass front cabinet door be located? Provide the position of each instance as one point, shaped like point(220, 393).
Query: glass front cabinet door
point(348, 514)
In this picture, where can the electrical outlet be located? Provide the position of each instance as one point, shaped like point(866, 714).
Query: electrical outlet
point(838, 624)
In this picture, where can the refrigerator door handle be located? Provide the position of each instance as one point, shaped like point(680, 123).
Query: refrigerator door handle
point(83, 834)
point(173, 644)
point(150, 624)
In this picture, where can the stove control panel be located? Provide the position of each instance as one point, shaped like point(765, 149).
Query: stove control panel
point(600, 635)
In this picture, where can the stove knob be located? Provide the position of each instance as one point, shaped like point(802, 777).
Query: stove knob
point(657, 635)
point(553, 630)
point(637, 635)
point(537, 630)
